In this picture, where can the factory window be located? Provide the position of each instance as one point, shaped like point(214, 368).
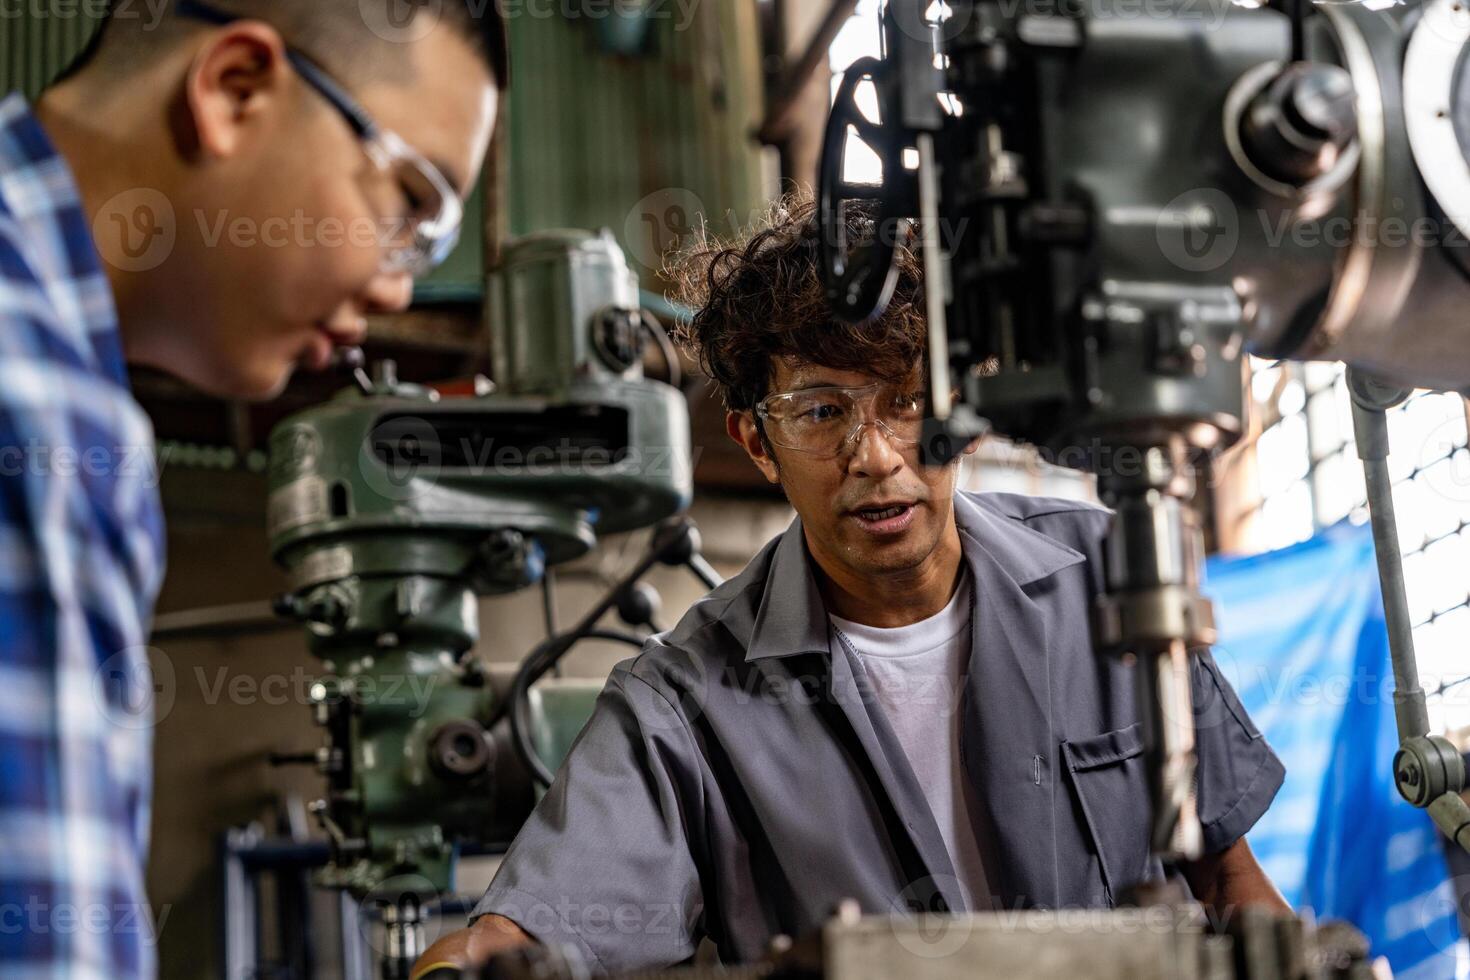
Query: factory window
point(1307, 476)
point(860, 37)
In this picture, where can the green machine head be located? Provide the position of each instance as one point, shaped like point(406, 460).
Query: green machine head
point(393, 508)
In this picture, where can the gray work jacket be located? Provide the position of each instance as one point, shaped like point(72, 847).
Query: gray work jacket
point(737, 779)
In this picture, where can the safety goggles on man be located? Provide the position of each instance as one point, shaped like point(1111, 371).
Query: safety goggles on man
point(826, 422)
point(428, 227)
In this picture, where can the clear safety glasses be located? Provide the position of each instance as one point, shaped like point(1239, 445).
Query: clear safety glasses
point(825, 422)
point(427, 226)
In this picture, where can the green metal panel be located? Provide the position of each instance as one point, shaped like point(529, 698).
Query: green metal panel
point(642, 144)
point(593, 134)
point(461, 277)
point(34, 49)
point(560, 708)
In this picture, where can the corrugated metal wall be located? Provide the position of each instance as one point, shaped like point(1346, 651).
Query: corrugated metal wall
point(636, 143)
point(33, 49)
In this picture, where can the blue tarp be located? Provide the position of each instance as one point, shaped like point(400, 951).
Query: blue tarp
point(1302, 638)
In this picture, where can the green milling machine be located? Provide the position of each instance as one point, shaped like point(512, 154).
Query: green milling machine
point(393, 509)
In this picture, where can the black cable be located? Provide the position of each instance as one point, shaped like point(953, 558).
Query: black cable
point(548, 607)
point(660, 337)
point(1296, 10)
point(550, 652)
point(548, 600)
point(675, 542)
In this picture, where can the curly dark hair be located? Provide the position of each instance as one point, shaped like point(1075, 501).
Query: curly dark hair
point(759, 297)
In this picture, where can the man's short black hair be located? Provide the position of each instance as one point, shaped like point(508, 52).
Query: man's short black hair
point(333, 32)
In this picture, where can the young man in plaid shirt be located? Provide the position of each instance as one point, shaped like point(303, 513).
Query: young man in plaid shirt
point(223, 191)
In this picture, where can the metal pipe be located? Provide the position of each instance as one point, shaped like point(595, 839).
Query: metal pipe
point(404, 931)
point(355, 954)
point(241, 939)
point(1427, 768)
point(495, 228)
point(1370, 428)
point(237, 618)
point(782, 112)
point(1452, 815)
point(1410, 707)
point(705, 572)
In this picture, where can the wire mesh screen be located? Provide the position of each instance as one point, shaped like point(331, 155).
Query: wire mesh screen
point(1308, 476)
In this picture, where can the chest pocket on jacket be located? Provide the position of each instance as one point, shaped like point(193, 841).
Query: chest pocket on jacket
point(1108, 776)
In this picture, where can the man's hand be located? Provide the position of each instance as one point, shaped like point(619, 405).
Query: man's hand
point(1224, 882)
point(491, 934)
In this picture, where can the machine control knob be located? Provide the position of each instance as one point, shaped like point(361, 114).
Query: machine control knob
point(459, 749)
point(617, 336)
point(1299, 126)
point(508, 559)
point(639, 604)
point(327, 610)
point(286, 606)
point(1427, 767)
point(676, 541)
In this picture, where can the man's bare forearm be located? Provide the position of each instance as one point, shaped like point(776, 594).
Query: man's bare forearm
point(491, 934)
point(1231, 879)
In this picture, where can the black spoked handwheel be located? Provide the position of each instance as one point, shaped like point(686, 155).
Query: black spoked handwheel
point(860, 275)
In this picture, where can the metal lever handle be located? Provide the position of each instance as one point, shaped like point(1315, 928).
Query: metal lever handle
point(353, 361)
point(1428, 770)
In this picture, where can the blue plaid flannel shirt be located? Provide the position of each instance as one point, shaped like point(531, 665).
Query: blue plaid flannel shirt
point(81, 556)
